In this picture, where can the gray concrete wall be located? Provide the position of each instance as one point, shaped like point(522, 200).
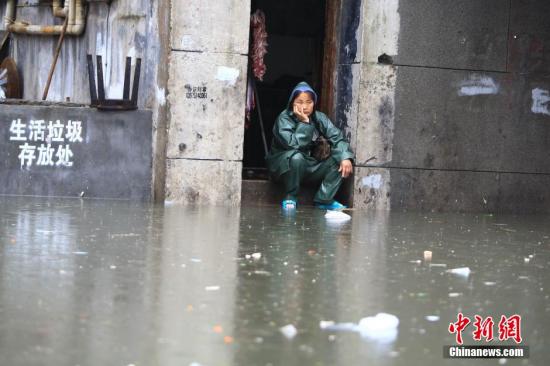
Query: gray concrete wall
point(75, 152)
point(114, 31)
point(460, 121)
point(207, 86)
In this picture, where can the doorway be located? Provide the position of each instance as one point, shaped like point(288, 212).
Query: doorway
point(296, 52)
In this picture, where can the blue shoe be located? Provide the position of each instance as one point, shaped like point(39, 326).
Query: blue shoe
point(333, 206)
point(289, 204)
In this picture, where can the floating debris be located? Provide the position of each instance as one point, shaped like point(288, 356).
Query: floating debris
point(289, 331)
point(196, 260)
point(381, 328)
point(212, 288)
point(432, 318)
point(325, 324)
point(257, 255)
point(462, 271)
point(80, 253)
point(443, 265)
point(489, 283)
point(337, 216)
point(264, 273)
point(427, 255)
point(455, 294)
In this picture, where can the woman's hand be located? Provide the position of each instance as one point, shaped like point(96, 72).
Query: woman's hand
point(299, 112)
point(345, 168)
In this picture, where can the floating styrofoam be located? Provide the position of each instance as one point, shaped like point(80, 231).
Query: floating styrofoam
point(432, 318)
point(289, 331)
point(337, 216)
point(462, 271)
point(381, 328)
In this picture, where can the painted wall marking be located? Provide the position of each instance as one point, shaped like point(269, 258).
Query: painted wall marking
point(541, 100)
point(478, 85)
point(195, 92)
point(372, 181)
point(55, 140)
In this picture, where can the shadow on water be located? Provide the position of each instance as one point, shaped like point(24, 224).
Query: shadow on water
point(103, 282)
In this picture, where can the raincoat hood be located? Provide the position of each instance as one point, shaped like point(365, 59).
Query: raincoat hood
point(301, 88)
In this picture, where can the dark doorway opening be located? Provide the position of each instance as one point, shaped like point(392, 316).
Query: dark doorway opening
point(296, 41)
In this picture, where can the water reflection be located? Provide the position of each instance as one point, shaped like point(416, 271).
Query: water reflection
point(99, 282)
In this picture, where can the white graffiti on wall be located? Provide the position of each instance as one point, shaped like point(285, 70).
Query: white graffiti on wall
point(541, 101)
point(477, 85)
point(46, 144)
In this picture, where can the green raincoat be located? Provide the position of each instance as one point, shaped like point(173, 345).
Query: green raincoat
point(291, 136)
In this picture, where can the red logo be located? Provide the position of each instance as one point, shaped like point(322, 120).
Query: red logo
point(508, 327)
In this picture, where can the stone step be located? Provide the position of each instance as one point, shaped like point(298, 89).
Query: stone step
point(265, 192)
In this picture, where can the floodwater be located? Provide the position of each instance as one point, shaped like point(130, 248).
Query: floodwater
point(86, 282)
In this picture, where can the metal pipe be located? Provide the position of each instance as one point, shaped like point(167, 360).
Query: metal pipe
point(75, 16)
point(72, 9)
point(10, 13)
point(58, 10)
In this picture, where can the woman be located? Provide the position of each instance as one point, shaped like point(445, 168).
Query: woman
point(290, 159)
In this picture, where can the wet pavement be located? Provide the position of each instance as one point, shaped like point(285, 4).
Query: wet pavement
point(86, 282)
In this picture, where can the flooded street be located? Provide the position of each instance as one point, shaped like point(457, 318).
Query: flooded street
point(86, 282)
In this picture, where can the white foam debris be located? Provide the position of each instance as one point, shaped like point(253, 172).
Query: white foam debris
point(443, 265)
point(212, 288)
point(196, 260)
point(454, 294)
point(80, 253)
point(256, 255)
point(337, 216)
point(381, 328)
point(526, 259)
point(289, 331)
point(462, 271)
point(489, 283)
point(325, 324)
point(432, 318)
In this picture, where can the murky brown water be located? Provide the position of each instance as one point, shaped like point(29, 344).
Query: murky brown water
point(115, 283)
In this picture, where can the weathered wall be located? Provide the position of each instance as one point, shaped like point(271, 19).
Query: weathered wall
point(75, 152)
point(207, 86)
point(123, 28)
point(460, 121)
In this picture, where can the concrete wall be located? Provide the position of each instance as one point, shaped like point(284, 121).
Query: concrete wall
point(207, 86)
point(460, 121)
point(116, 30)
point(75, 152)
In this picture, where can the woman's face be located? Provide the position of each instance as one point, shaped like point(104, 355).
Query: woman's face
point(304, 103)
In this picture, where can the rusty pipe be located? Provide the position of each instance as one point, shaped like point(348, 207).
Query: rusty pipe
point(10, 13)
point(75, 16)
point(58, 10)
